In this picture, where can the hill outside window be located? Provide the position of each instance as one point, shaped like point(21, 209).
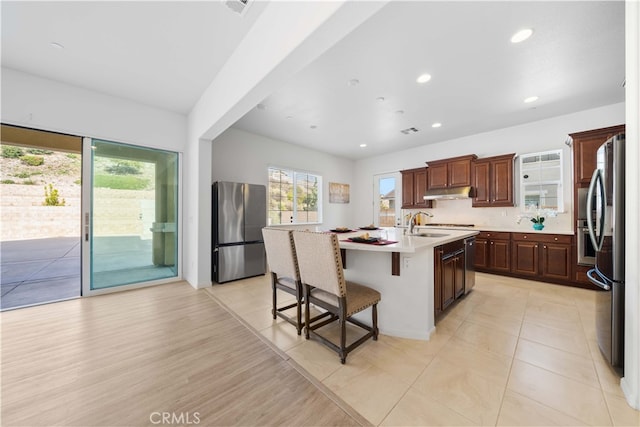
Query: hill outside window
point(295, 197)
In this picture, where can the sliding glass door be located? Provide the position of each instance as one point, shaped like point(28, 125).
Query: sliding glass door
point(130, 215)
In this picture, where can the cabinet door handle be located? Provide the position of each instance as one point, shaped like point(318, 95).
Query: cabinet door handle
point(525, 237)
point(492, 243)
point(555, 238)
point(545, 246)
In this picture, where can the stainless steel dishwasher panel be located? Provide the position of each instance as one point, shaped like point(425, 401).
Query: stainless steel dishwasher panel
point(469, 268)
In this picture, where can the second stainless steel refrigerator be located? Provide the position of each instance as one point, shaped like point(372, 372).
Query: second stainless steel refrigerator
point(606, 222)
point(239, 214)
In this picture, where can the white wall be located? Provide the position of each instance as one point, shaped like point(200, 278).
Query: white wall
point(39, 103)
point(244, 157)
point(284, 39)
point(549, 134)
point(631, 381)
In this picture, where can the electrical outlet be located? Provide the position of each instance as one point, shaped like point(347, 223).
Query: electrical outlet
point(407, 262)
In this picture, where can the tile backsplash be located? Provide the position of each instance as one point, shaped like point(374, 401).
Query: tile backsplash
point(506, 218)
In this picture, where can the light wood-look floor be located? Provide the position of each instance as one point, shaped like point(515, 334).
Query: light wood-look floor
point(512, 352)
point(125, 359)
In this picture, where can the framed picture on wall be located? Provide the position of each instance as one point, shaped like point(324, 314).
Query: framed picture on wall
point(338, 193)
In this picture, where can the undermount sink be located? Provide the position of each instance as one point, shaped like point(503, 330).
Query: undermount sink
point(429, 235)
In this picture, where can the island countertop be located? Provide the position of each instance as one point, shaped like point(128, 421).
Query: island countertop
point(405, 243)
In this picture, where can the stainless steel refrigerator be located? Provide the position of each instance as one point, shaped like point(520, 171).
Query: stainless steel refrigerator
point(239, 214)
point(605, 221)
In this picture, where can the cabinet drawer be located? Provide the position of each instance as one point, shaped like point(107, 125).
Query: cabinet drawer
point(494, 235)
point(545, 238)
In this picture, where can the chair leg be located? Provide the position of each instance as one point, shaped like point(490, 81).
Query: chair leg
point(274, 301)
point(343, 333)
point(299, 307)
point(374, 321)
point(307, 316)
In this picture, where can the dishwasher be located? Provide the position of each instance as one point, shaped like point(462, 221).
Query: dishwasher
point(469, 260)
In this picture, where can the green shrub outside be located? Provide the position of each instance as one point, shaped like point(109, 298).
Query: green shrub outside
point(32, 160)
point(38, 151)
point(120, 182)
point(124, 167)
point(11, 152)
point(52, 197)
point(7, 181)
point(22, 175)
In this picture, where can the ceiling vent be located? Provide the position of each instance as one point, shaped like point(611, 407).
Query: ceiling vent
point(238, 6)
point(409, 131)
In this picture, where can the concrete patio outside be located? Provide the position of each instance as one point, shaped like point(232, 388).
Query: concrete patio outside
point(36, 271)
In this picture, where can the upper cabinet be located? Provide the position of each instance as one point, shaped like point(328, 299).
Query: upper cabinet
point(414, 186)
point(448, 173)
point(585, 146)
point(492, 179)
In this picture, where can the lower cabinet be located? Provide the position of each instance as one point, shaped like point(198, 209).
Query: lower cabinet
point(493, 252)
point(449, 270)
point(542, 256)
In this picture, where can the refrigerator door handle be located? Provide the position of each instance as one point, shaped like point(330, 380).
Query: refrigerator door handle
point(595, 179)
point(602, 283)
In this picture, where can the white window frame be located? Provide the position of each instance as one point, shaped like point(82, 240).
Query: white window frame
point(293, 173)
point(558, 183)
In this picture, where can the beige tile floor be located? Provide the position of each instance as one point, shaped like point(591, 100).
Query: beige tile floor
point(512, 352)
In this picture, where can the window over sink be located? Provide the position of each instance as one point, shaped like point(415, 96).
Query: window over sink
point(295, 197)
point(541, 181)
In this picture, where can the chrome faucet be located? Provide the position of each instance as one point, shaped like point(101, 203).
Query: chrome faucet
point(413, 217)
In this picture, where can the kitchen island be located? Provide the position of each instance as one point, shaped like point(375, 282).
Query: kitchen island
point(407, 306)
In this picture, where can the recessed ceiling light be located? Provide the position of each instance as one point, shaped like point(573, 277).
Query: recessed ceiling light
point(313, 127)
point(400, 112)
point(530, 99)
point(521, 35)
point(436, 125)
point(289, 117)
point(363, 145)
point(261, 107)
point(57, 45)
point(380, 99)
point(423, 78)
point(353, 82)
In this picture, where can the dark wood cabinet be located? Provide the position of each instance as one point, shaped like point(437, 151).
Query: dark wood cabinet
point(585, 146)
point(542, 256)
point(449, 173)
point(556, 259)
point(449, 273)
point(525, 260)
point(493, 251)
point(492, 181)
point(437, 173)
point(414, 186)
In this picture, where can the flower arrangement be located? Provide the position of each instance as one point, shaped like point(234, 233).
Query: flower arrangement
point(537, 219)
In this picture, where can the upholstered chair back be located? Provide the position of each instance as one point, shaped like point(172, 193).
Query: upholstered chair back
point(281, 252)
point(320, 262)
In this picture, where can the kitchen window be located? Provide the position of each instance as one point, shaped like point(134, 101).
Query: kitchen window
point(541, 181)
point(294, 197)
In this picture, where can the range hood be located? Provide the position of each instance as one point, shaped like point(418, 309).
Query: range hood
point(448, 193)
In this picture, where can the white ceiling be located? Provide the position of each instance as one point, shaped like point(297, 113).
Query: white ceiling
point(165, 54)
point(160, 53)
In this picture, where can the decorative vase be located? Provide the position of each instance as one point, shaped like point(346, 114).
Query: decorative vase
point(537, 226)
